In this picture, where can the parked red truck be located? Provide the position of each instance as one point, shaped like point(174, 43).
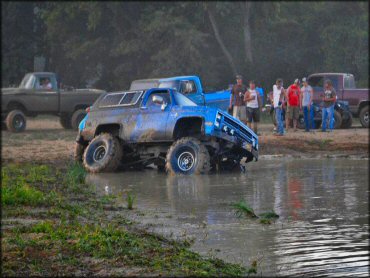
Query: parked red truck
point(344, 84)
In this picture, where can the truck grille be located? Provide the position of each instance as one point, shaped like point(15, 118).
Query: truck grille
point(237, 127)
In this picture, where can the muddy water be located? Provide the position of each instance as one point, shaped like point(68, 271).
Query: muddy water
point(323, 227)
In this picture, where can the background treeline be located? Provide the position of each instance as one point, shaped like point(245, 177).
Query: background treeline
point(108, 44)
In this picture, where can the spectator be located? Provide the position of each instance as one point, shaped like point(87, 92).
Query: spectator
point(253, 100)
point(306, 102)
point(329, 99)
point(293, 97)
point(237, 100)
point(46, 84)
point(276, 99)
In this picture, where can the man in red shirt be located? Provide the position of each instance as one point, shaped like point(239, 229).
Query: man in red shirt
point(293, 94)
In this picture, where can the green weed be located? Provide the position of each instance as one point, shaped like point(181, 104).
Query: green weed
point(130, 199)
point(75, 177)
point(242, 208)
point(269, 215)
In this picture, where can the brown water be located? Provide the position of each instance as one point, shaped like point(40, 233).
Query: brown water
point(323, 229)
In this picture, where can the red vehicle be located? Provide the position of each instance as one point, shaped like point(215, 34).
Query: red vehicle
point(344, 84)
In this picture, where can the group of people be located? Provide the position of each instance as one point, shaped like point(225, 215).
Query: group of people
point(245, 104)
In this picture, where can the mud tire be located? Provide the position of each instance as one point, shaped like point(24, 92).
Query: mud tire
point(347, 123)
point(337, 120)
point(77, 117)
point(16, 121)
point(188, 149)
point(65, 121)
point(364, 116)
point(78, 152)
point(103, 154)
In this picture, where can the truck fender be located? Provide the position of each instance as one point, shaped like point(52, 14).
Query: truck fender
point(188, 126)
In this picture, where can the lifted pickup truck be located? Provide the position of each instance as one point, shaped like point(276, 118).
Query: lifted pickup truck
point(32, 99)
point(164, 127)
point(191, 86)
point(344, 84)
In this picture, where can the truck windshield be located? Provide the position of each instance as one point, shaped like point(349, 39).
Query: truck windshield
point(182, 100)
point(27, 82)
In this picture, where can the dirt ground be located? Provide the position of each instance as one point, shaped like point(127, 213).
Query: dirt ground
point(45, 141)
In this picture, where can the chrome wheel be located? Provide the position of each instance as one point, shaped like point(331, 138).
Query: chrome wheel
point(99, 153)
point(18, 122)
point(185, 161)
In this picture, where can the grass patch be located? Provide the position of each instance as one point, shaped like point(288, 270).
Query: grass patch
point(75, 177)
point(322, 144)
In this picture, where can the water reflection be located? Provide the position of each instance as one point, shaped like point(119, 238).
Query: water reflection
point(323, 208)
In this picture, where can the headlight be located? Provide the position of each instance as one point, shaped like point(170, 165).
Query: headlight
point(218, 117)
point(225, 128)
point(217, 124)
point(232, 132)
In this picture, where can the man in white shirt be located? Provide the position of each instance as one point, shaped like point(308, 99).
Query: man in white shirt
point(253, 100)
point(276, 99)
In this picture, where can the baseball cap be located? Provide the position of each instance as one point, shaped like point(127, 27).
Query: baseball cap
point(304, 79)
point(239, 76)
point(296, 81)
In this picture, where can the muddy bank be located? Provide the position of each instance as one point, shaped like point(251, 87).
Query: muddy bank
point(45, 141)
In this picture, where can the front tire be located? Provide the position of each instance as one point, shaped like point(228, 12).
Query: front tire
point(77, 117)
point(16, 121)
point(364, 116)
point(188, 156)
point(103, 154)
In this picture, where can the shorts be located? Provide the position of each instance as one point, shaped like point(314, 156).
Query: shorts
point(239, 113)
point(292, 112)
point(253, 114)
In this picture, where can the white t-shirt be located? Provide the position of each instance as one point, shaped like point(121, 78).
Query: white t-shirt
point(254, 102)
point(276, 95)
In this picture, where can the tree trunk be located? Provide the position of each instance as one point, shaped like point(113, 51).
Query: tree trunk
point(220, 41)
point(246, 7)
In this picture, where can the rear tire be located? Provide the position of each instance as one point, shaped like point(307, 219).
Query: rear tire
point(78, 152)
point(188, 156)
point(348, 122)
point(65, 121)
point(77, 117)
point(103, 154)
point(364, 116)
point(16, 121)
point(337, 120)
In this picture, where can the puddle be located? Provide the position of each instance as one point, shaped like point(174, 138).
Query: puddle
point(323, 207)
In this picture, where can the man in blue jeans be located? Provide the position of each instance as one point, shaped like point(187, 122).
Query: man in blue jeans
point(276, 99)
point(306, 103)
point(329, 99)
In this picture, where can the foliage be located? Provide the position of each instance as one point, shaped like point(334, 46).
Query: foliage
point(108, 44)
point(130, 199)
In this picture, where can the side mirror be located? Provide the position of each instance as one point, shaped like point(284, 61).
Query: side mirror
point(158, 99)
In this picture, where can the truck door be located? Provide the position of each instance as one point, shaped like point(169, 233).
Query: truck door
point(189, 89)
point(152, 118)
point(43, 99)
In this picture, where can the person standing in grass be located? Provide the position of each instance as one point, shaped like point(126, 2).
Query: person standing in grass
point(293, 96)
point(329, 99)
point(306, 105)
point(276, 99)
point(253, 100)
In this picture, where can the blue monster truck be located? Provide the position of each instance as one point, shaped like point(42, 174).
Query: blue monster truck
point(164, 127)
